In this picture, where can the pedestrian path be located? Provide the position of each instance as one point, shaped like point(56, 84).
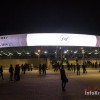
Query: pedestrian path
point(40, 87)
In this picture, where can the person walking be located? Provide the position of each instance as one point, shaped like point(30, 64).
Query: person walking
point(17, 73)
point(43, 69)
point(40, 68)
point(11, 70)
point(84, 68)
point(78, 69)
point(63, 77)
point(1, 72)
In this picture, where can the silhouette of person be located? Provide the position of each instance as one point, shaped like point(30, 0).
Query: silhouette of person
point(84, 68)
point(63, 77)
point(24, 68)
point(40, 67)
point(11, 69)
point(74, 68)
point(17, 73)
point(78, 69)
point(1, 72)
point(44, 69)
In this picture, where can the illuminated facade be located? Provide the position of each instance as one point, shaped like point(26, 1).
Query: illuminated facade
point(49, 39)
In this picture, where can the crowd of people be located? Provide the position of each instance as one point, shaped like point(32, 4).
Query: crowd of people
point(14, 71)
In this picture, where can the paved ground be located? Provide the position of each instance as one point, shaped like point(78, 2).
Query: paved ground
point(35, 87)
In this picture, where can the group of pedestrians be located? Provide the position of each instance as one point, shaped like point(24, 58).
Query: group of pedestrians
point(25, 67)
point(14, 73)
point(83, 67)
point(42, 69)
point(76, 67)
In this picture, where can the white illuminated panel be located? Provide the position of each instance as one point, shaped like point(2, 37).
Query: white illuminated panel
point(49, 39)
point(61, 39)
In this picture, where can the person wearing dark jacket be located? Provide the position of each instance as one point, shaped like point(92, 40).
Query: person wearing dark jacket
point(11, 70)
point(78, 69)
point(1, 72)
point(17, 73)
point(63, 77)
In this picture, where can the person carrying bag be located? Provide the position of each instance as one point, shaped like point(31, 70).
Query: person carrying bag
point(63, 77)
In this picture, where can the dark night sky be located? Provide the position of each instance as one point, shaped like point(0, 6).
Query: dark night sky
point(49, 16)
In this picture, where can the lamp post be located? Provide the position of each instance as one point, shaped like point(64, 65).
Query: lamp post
point(56, 53)
point(10, 57)
point(39, 51)
point(83, 52)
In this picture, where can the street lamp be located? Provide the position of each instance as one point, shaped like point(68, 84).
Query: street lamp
point(39, 51)
point(10, 54)
point(83, 52)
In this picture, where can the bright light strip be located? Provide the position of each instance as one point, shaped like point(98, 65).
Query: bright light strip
point(89, 53)
point(4, 53)
point(96, 53)
point(27, 53)
point(36, 53)
point(49, 39)
point(18, 53)
point(10, 53)
point(58, 39)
